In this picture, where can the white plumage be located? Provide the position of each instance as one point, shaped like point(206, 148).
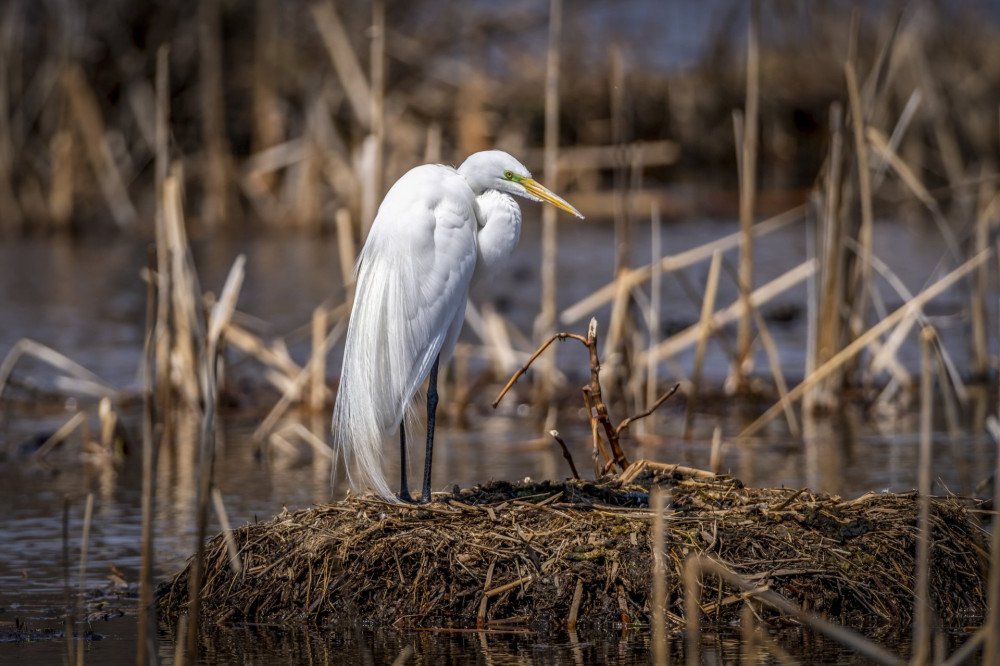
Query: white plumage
point(436, 229)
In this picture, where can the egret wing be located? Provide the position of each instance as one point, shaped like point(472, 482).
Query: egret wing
point(412, 283)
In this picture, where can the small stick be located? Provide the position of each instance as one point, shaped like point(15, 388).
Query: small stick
point(661, 653)
point(146, 644)
point(659, 401)
point(715, 457)
point(227, 530)
point(574, 609)
point(508, 586)
point(66, 585)
point(317, 389)
point(748, 189)
point(481, 618)
point(85, 539)
point(566, 453)
point(655, 296)
point(61, 434)
point(524, 368)
point(922, 614)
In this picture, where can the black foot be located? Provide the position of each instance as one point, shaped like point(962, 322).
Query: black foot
point(407, 499)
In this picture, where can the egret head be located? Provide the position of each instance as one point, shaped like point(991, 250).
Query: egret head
point(496, 170)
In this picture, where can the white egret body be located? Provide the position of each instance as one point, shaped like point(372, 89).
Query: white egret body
point(436, 229)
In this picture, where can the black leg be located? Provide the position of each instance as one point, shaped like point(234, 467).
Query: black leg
point(404, 490)
point(432, 402)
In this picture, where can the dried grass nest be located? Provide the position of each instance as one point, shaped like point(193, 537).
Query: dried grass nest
point(528, 553)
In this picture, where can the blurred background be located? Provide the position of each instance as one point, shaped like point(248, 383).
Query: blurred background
point(840, 157)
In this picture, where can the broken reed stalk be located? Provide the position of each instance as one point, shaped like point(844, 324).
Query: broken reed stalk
point(546, 322)
point(991, 651)
point(81, 588)
point(674, 262)
point(922, 613)
point(87, 111)
point(698, 565)
point(317, 392)
point(345, 250)
point(705, 328)
point(689, 336)
point(980, 283)
point(67, 589)
point(164, 338)
point(210, 86)
point(185, 314)
point(655, 296)
point(565, 451)
point(773, 359)
point(904, 311)
point(227, 531)
point(222, 312)
point(377, 96)
point(661, 648)
point(60, 435)
point(831, 267)
point(294, 387)
point(146, 644)
point(862, 275)
point(597, 410)
point(748, 189)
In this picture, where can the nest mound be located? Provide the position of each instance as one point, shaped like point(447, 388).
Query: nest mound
point(539, 553)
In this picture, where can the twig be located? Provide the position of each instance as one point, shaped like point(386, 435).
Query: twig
point(524, 368)
point(566, 453)
point(659, 401)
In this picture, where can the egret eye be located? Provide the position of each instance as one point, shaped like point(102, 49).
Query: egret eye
point(509, 175)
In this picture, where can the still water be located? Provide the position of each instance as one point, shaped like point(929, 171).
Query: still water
point(86, 300)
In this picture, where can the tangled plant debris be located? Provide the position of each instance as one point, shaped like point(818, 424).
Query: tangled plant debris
point(550, 554)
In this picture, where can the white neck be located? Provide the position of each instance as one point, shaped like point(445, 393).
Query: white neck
point(499, 230)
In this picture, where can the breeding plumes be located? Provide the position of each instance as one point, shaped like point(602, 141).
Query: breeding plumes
point(437, 230)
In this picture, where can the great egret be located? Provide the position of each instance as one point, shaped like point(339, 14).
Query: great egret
point(437, 229)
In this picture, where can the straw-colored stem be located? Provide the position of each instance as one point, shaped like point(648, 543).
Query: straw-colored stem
point(674, 262)
point(222, 312)
point(87, 111)
point(864, 339)
point(655, 296)
point(317, 389)
point(210, 82)
point(862, 276)
point(547, 314)
point(689, 336)
point(80, 588)
point(980, 354)
point(707, 308)
point(661, 650)
point(146, 644)
point(832, 251)
point(748, 188)
point(991, 651)
point(227, 530)
point(377, 91)
point(922, 614)
point(697, 565)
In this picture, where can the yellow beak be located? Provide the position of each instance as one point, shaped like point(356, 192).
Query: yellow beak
point(545, 194)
